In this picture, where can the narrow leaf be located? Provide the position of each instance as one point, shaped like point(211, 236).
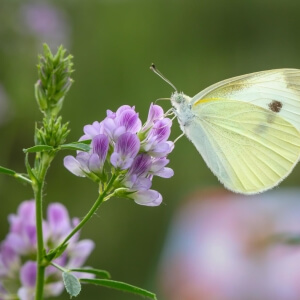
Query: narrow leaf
point(71, 283)
point(76, 146)
point(7, 171)
point(61, 250)
point(21, 177)
point(38, 148)
point(122, 286)
point(52, 254)
point(29, 170)
point(87, 142)
point(101, 273)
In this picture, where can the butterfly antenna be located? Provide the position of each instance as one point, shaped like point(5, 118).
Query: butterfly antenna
point(157, 72)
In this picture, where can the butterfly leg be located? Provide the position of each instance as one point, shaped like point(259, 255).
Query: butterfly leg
point(178, 138)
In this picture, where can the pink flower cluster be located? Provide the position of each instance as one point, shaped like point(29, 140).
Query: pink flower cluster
point(136, 151)
point(18, 251)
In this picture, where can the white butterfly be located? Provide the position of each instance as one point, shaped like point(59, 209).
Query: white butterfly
point(246, 128)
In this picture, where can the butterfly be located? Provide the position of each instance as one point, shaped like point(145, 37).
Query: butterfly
point(246, 128)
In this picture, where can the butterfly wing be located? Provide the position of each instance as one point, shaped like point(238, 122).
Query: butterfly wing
point(249, 148)
point(275, 90)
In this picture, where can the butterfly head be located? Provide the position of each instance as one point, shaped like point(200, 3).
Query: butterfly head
point(179, 100)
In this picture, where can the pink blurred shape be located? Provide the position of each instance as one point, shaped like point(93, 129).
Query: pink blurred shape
point(222, 246)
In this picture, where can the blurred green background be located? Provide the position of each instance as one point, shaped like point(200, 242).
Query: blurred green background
point(194, 43)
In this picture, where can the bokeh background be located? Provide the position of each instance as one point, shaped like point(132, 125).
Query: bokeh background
point(194, 43)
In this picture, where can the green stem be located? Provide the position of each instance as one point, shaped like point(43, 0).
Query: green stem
point(102, 197)
point(23, 178)
point(38, 193)
point(59, 267)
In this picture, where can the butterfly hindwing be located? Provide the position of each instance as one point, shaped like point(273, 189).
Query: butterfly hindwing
point(249, 148)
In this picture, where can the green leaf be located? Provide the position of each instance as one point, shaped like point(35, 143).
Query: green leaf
point(61, 250)
point(101, 273)
point(7, 171)
point(30, 171)
point(71, 283)
point(38, 148)
point(54, 254)
point(21, 177)
point(122, 286)
point(87, 142)
point(76, 146)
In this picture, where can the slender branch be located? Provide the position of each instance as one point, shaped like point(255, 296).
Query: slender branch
point(59, 267)
point(102, 197)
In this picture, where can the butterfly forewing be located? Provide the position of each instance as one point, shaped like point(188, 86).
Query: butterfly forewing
point(249, 148)
point(275, 90)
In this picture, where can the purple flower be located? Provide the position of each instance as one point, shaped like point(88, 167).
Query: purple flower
point(28, 279)
point(18, 271)
point(155, 114)
point(137, 153)
point(137, 176)
point(127, 147)
point(92, 130)
point(22, 235)
point(147, 197)
point(158, 168)
point(124, 120)
point(9, 260)
point(100, 145)
point(156, 142)
point(93, 162)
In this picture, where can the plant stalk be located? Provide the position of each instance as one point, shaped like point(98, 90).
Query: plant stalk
point(38, 193)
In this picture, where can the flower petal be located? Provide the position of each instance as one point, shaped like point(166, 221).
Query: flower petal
point(126, 148)
point(148, 198)
point(73, 166)
point(160, 149)
point(158, 164)
point(154, 115)
point(161, 130)
point(28, 274)
point(165, 173)
point(94, 164)
point(53, 289)
point(93, 130)
point(130, 120)
point(9, 258)
point(142, 184)
point(121, 109)
point(17, 243)
point(80, 252)
point(58, 220)
point(141, 164)
point(100, 145)
point(25, 293)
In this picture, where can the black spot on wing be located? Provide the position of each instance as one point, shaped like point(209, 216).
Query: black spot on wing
point(275, 106)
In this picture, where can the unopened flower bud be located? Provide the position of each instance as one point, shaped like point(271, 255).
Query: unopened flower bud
point(40, 96)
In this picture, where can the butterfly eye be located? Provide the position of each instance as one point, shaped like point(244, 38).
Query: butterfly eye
point(179, 98)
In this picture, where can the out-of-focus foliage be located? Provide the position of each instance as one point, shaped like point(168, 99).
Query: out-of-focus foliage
point(194, 43)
